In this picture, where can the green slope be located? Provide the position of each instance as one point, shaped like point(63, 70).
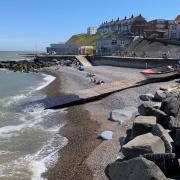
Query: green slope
point(86, 40)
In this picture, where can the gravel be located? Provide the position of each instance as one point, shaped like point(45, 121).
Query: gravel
point(73, 80)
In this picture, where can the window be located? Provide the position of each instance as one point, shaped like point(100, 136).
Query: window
point(114, 42)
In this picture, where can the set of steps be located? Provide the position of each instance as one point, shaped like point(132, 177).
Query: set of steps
point(83, 61)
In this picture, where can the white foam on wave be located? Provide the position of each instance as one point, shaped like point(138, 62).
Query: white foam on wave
point(5, 152)
point(32, 116)
point(37, 163)
point(3, 69)
point(11, 100)
point(37, 113)
point(48, 79)
point(9, 131)
point(47, 156)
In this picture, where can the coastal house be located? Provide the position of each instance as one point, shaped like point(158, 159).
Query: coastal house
point(134, 25)
point(174, 29)
point(108, 46)
point(177, 20)
point(92, 30)
point(63, 49)
point(158, 27)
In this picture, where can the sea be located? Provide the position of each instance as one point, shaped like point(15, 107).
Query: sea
point(29, 135)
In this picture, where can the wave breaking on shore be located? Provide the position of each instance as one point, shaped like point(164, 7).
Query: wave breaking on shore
point(29, 139)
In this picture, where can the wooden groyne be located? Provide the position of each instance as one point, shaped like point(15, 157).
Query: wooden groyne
point(95, 93)
point(88, 95)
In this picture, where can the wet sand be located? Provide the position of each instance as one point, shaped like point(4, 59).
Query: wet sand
point(80, 130)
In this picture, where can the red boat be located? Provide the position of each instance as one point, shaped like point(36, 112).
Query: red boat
point(161, 72)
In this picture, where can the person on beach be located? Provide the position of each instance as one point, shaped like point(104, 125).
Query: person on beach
point(99, 82)
point(94, 80)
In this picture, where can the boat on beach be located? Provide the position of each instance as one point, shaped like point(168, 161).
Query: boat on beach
point(161, 72)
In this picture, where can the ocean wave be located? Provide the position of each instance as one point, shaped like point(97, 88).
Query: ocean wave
point(3, 69)
point(47, 156)
point(9, 131)
point(28, 92)
point(5, 152)
point(31, 116)
point(36, 164)
point(48, 79)
point(11, 100)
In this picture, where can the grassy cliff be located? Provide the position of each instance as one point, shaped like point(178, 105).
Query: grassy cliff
point(86, 39)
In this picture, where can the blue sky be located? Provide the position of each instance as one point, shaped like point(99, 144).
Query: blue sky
point(26, 24)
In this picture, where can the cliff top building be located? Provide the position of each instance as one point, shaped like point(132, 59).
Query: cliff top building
point(174, 29)
point(133, 25)
point(92, 30)
point(158, 27)
point(177, 20)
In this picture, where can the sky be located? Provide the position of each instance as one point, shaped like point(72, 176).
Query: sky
point(34, 24)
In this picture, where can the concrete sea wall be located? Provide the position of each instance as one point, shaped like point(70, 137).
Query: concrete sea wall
point(131, 61)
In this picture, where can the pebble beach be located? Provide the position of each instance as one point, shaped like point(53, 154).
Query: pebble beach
point(86, 155)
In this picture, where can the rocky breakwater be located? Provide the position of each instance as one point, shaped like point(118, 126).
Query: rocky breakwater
point(151, 148)
point(36, 64)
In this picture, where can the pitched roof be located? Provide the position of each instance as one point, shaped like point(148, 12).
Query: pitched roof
point(177, 20)
point(123, 21)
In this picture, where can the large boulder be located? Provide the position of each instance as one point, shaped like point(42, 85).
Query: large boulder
point(157, 105)
point(143, 125)
point(167, 162)
point(143, 109)
point(158, 130)
point(143, 144)
point(177, 138)
point(177, 141)
point(174, 122)
point(161, 116)
point(134, 169)
point(171, 104)
point(159, 95)
point(123, 115)
point(146, 110)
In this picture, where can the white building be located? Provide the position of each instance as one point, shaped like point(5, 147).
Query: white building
point(174, 29)
point(92, 30)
